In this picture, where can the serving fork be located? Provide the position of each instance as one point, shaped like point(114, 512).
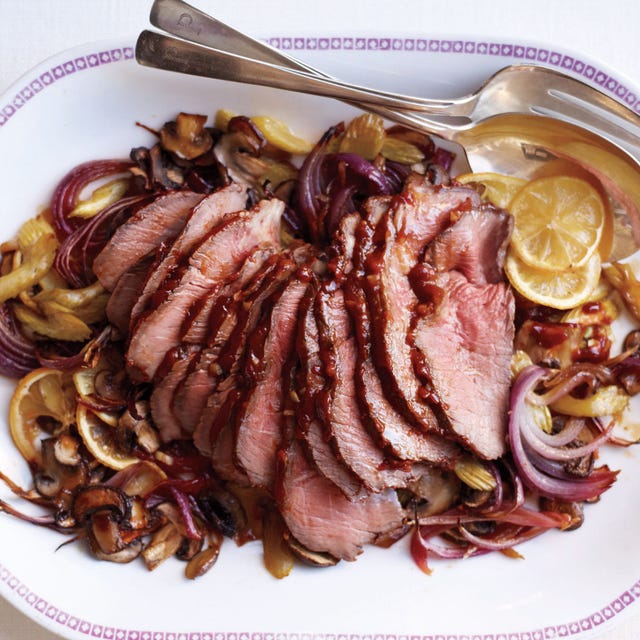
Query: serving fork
point(521, 117)
point(524, 89)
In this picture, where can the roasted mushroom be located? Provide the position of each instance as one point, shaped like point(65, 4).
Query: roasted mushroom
point(186, 136)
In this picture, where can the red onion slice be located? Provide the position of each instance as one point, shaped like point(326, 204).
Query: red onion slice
point(17, 353)
point(570, 490)
point(67, 193)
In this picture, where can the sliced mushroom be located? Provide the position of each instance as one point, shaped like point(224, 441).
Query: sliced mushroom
point(125, 555)
point(439, 489)
point(308, 557)
point(164, 543)
point(156, 168)
point(135, 427)
point(224, 510)
point(54, 476)
point(239, 151)
point(575, 510)
point(89, 500)
point(189, 548)
point(67, 450)
point(187, 136)
point(105, 533)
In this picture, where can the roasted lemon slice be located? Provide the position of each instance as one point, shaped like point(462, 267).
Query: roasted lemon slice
point(101, 441)
point(560, 289)
point(498, 188)
point(565, 167)
point(559, 222)
point(43, 404)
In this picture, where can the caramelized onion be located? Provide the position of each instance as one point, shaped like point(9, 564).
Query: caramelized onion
point(17, 353)
point(577, 489)
point(67, 193)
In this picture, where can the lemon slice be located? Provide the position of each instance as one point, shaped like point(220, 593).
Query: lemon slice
point(558, 222)
point(43, 404)
point(566, 167)
point(101, 441)
point(561, 289)
point(498, 188)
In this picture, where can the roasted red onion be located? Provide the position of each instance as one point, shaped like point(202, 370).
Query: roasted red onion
point(536, 479)
point(311, 185)
point(80, 246)
point(68, 191)
point(17, 353)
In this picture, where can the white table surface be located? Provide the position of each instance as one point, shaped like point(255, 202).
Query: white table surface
point(608, 30)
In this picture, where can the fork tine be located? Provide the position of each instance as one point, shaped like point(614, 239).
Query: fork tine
point(573, 100)
point(590, 95)
point(589, 115)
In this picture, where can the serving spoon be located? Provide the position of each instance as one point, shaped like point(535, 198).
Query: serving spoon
point(515, 143)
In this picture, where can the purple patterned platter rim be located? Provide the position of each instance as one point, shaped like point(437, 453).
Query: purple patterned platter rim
point(29, 87)
point(15, 100)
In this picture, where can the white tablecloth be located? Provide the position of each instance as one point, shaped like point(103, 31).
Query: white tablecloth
point(32, 30)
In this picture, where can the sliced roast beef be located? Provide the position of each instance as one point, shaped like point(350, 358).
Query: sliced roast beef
point(339, 400)
point(143, 233)
point(126, 293)
point(414, 220)
point(465, 344)
point(321, 517)
point(214, 260)
point(466, 347)
point(343, 246)
point(259, 417)
point(310, 383)
point(475, 245)
point(205, 216)
point(222, 434)
point(230, 358)
point(387, 426)
point(197, 327)
point(170, 373)
point(191, 394)
point(423, 211)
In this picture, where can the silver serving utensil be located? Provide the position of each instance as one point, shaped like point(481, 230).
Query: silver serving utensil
point(514, 89)
point(506, 141)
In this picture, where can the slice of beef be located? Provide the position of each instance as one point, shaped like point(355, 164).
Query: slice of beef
point(126, 293)
point(387, 426)
point(339, 404)
point(259, 417)
point(423, 211)
point(310, 383)
point(466, 347)
point(142, 234)
point(203, 218)
point(196, 328)
point(230, 358)
point(169, 375)
point(222, 433)
point(214, 260)
point(191, 394)
point(465, 344)
point(416, 217)
point(342, 246)
point(475, 245)
point(321, 517)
